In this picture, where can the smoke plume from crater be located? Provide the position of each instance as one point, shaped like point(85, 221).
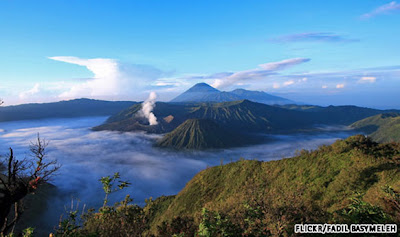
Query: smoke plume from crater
point(147, 108)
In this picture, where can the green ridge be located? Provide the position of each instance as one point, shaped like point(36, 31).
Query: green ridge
point(381, 127)
point(327, 177)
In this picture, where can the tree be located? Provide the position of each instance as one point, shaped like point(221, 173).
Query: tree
point(20, 178)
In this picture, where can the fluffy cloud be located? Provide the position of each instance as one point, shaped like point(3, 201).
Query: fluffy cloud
point(276, 86)
point(225, 79)
point(31, 92)
point(288, 83)
point(312, 37)
point(384, 9)
point(367, 80)
point(111, 78)
point(340, 86)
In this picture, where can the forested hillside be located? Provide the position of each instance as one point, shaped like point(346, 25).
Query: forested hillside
point(351, 181)
point(381, 127)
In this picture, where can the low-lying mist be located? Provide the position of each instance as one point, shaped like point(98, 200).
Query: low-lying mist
point(86, 156)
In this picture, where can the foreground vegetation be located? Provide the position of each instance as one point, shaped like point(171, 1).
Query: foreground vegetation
point(355, 180)
point(351, 181)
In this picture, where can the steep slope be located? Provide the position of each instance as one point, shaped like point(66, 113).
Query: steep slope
point(203, 92)
point(381, 127)
point(261, 97)
point(201, 134)
point(62, 109)
point(322, 180)
point(249, 116)
point(169, 116)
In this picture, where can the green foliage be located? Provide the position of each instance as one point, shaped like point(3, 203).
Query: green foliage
point(214, 224)
point(392, 201)
point(69, 226)
point(121, 219)
point(310, 187)
point(108, 185)
point(178, 226)
point(361, 212)
point(28, 232)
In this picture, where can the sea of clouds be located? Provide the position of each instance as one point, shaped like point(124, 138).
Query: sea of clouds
point(86, 156)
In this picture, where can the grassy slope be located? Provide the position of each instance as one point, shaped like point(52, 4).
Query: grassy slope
point(201, 134)
point(329, 176)
point(381, 127)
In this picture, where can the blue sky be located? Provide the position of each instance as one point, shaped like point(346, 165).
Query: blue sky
point(319, 52)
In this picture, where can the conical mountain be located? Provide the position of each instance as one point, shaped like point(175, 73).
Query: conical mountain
point(202, 87)
point(200, 134)
point(202, 92)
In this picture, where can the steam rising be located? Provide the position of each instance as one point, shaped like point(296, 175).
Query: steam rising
point(147, 108)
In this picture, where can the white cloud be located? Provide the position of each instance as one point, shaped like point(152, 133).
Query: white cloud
point(31, 92)
point(264, 70)
point(281, 65)
point(276, 86)
point(384, 9)
point(367, 80)
point(288, 83)
point(111, 78)
point(340, 86)
point(313, 37)
point(324, 86)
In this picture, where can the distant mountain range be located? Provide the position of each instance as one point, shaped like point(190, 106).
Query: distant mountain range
point(203, 92)
point(243, 118)
point(62, 109)
point(242, 115)
point(381, 127)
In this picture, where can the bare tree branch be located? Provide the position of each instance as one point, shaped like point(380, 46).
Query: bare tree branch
point(18, 181)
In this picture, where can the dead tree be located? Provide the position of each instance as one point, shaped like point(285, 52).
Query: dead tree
point(20, 178)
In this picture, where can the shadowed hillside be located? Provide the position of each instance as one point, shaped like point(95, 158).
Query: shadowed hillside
point(62, 109)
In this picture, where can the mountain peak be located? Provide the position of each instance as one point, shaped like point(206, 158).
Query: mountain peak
point(202, 92)
point(202, 87)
